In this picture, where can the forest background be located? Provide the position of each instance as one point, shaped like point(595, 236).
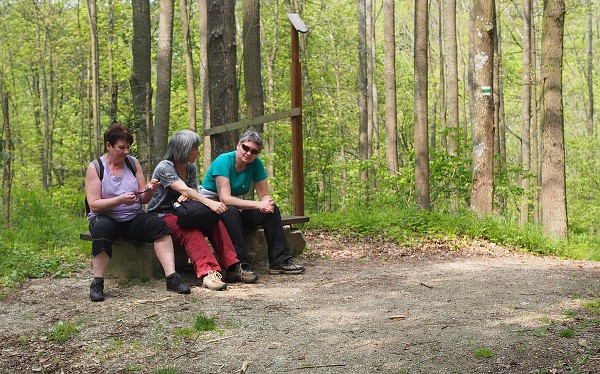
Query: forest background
point(53, 115)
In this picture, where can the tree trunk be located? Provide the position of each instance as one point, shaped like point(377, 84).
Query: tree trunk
point(420, 109)
point(140, 81)
point(363, 84)
point(482, 189)
point(162, 104)
point(189, 64)
point(204, 83)
point(255, 97)
point(452, 58)
point(272, 106)
point(590, 71)
point(536, 144)
point(554, 199)
point(8, 153)
point(114, 89)
point(93, 25)
point(526, 115)
point(389, 73)
point(443, 129)
point(223, 90)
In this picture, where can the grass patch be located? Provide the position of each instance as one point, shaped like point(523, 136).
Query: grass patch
point(592, 306)
point(62, 332)
point(566, 333)
point(484, 353)
point(204, 323)
point(167, 370)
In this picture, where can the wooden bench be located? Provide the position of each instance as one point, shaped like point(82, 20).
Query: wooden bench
point(136, 260)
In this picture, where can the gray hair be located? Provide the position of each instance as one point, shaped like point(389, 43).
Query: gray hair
point(181, 145)
point(252, 136)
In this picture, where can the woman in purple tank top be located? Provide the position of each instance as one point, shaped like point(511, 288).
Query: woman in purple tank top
point(115, 191)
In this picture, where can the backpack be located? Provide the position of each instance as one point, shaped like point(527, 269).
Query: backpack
point(129, 161)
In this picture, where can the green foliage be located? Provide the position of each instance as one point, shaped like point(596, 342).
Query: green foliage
point(204, 323)
point(484, 353)
point(62, 332)
point(43, 240)
point(566, 333)
point(167, 370)
point(405, 223)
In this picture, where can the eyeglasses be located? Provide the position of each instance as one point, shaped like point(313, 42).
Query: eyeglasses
point(248, 149)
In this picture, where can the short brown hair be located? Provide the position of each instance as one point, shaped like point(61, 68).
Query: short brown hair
point(115, 133)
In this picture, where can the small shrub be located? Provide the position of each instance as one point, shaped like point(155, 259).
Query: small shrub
point(167, 370)
point(484, 353)
point(62, 332)
point(203, 323)
point(566, 333)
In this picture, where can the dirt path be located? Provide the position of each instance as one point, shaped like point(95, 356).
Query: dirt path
point(361, 307)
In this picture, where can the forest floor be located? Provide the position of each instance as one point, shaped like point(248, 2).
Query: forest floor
point(363, 306)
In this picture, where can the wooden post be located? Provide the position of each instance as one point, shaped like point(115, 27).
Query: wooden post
point(296, 121)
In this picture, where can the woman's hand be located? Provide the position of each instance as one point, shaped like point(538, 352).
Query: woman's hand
point(128, 198)
point(266, 206)
point(217, 206)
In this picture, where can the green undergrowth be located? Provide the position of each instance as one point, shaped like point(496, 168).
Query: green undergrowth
point(42, 241)
point(410, 225)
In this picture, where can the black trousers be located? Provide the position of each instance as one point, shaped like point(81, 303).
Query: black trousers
point(235, 220)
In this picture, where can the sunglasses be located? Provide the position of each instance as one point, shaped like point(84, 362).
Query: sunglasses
point(248, 149)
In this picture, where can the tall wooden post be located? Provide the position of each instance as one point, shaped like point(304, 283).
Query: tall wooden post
point(297, 26)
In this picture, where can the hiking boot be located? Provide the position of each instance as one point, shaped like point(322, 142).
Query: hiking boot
point(97, 289)
point(176, 284)
point(241, 273)
point(286, 267)
point(213, 281)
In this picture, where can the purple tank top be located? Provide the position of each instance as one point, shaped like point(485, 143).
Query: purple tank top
point(117, 185)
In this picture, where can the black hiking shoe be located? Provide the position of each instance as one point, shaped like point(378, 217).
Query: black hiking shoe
point(97, 289)
point(176, 284)
point(241, 273)
point(286, 267)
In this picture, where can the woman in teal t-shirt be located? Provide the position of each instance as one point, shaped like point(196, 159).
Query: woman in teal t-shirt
point(228, 178)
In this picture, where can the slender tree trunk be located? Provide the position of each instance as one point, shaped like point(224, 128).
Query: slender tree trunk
point(443, 107)
point(363, 84)
point(272, 106)
point(452, 56)
point(554, 199)
point(498, 94)
point(535, 133)
point(93, 25)
point(223, 90)
point(526, 114)
point(420, 92)
point(482, 189)
point(114, 89)
point(8, 153)
point(204, 83)
point(163, 81)
point(590, 70)
point(189, 64)
point(140, 82)
point(389, 73)
point(255, 97)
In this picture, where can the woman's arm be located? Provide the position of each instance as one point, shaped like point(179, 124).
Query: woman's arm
point(265, 204)
point(142, 185)
point(190, 193)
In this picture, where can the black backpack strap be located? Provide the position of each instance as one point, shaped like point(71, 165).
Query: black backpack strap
point(130, 162)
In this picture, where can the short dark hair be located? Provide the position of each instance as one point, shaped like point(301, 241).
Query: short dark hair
point(115, 133)
point(181, 145)
point(253, 136)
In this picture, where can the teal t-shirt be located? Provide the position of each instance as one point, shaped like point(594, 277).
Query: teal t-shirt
point(224, 166)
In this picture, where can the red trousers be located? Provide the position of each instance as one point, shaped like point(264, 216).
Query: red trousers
point(201, 255)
